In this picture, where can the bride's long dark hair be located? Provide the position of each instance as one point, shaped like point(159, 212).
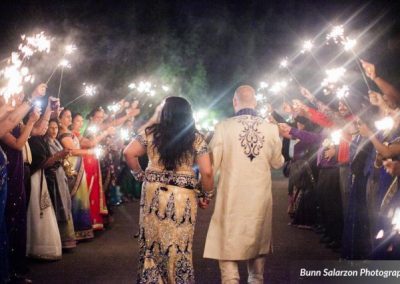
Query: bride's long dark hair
point(175, 134)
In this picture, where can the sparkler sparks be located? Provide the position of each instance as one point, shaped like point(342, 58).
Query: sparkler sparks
point(89, 90)
point(64, 63)
point(98, 152)
point(349, 44)
point(93, 129)
point(337, 34)
point(284, 63)
point(333, 76)
point(342, 92)
point(263, 85)
point(307, 46)
point(336, 136)
point(278, 87)
point(36, 43)
point(70, 48)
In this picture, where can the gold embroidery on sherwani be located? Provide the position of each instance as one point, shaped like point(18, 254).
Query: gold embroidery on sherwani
point(251, 138)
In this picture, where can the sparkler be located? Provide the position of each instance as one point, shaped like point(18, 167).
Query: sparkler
point(342, 92)
point(307, 46)
point(336, 34)
point(98, 152)
point(278, 87)
point(263, 85)
point(93, 129)
point(36, 43)
point(88, 91)
point(285, 64)
point(15, 76)
point(124, 134)
point(385, 123)
point(70, 48)
point(338, 37)
point(334, 75)
point(336, 136)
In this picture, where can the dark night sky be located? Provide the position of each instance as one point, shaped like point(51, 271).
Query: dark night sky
point(204, 47)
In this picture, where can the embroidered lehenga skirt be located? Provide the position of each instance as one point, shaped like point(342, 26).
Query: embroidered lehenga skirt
point(167, 220)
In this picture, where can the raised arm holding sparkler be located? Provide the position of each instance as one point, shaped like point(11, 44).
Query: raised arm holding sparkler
point(388, 90)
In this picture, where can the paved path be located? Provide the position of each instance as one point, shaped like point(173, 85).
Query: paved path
point(112, 256)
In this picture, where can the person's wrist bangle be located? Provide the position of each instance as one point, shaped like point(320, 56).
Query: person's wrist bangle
point(207, 194)
point(139, 175)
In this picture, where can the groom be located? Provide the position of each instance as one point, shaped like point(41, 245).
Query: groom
point(244, 149)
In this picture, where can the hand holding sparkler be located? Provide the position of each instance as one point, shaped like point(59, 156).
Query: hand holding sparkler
point(330, 153)
point(369, 69)
point(307, 94)
point(376, 99)
point(392, 167)
point(39, 91)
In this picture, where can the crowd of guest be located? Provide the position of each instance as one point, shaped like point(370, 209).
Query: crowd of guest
point(61, 173)
point(343, 163)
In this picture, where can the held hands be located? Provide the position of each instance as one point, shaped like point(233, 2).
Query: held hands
point(203, 203)
point(369, 69)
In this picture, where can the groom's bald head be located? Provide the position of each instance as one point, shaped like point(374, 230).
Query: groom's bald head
point(245, 97)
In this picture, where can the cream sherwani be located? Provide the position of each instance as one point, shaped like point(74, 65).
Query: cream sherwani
point(244, 149)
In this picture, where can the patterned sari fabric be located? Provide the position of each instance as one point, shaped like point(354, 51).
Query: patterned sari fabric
point(79, 194)
point(3, 231)
point(168, 212)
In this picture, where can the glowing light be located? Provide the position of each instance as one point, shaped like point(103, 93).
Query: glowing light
point(124, 134)
point(98, 151)
point(263, 85)
point(278, 87)
point(336, 136)
point(70, 48)
point(380, 235)
point(284, 63)
point(342, 92)
point(89, 90)
point(114, 108)
point(334, 75)
point(349, 44)
point(132, 86)
point(36, 43)
point(307, 46)
point(396, 220)
point(64, 63)
point(165, 88)
point(336, 34)
point(199, 115)
point(259, 97)
point(144, 87)
point(385, 123)
point(93, 129)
